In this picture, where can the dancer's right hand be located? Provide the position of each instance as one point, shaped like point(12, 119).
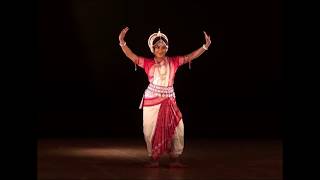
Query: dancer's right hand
point(123, 34)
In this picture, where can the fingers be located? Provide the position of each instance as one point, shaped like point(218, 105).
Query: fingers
point(123, 33)
point(206, 35)
point(207, 38)
point(124, 30)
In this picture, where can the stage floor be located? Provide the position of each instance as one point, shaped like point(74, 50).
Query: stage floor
point(123, 159)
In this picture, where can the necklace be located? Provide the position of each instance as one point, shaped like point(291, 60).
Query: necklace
point(162, 68)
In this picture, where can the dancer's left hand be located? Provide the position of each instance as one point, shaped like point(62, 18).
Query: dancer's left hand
point(207, 38)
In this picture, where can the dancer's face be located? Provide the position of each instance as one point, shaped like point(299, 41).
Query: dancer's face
point(160, 50)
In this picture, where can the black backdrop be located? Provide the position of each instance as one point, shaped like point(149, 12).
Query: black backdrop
point(87, 87)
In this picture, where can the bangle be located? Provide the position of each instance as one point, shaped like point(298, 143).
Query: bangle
point(122, 44)
point(204, 47)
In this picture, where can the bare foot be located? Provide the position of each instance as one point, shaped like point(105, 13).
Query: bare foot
point(177, 165)
point(152, 164)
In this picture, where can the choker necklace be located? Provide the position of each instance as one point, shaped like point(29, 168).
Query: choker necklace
point(164, 60)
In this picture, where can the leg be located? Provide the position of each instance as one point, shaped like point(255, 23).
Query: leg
point(177, 147)
point(150, 115)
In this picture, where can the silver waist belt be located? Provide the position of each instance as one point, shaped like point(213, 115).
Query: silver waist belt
point(160, 91)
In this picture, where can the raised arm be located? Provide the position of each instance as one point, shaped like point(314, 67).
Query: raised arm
point(195, 54)
point(127, 51)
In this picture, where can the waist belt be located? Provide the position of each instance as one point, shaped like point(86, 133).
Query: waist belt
point(159, 91)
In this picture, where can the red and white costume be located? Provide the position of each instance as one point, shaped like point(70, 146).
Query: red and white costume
point(163, 127)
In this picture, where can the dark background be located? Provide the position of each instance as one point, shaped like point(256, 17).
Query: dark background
point(88, 88)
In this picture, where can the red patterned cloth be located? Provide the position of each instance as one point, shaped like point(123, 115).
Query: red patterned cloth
point(168, 119)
